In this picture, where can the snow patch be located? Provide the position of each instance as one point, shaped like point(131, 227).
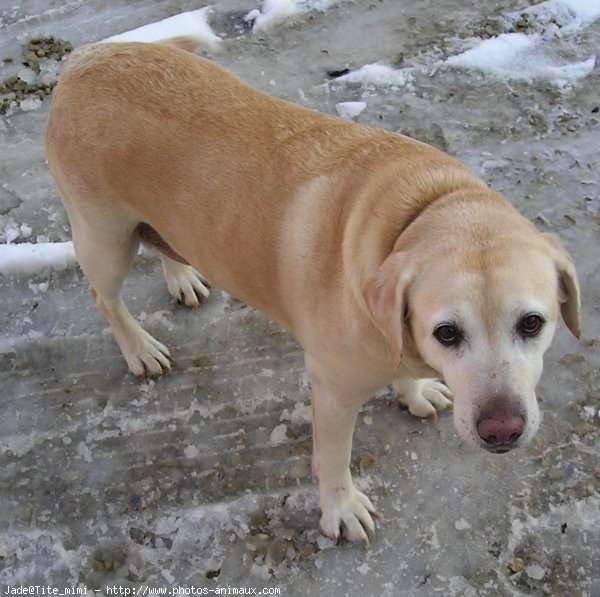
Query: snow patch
point(191, 452)
point(586, 11)
point(509, 56)
point(18, 445)
point(580, 519)
point(302, 414)
point(379, 75)
point(157, 318)
point(324, 543)
point(528, 57)
point(562, 16)
point(31, 103)
point(523, 57)
point(461, 525)
point(28, 75)
point(459, 585)
point(84, 451)
point(37, 288)
point(38, 549)
point(193, 24)
point(350, 110)
point(14, 231)
point(497, 53)
point(31, 258)
point(275, 12)
point(203, 523)
point(167, 576)
point(303, 500)
point(535, 571)
point(279, 434)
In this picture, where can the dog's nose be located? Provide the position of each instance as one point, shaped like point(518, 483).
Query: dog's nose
point(500, 429)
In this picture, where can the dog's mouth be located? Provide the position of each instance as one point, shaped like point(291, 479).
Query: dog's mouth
point(502, 447)
point(499, 449)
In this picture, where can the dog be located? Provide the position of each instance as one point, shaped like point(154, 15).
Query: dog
point(390, 261)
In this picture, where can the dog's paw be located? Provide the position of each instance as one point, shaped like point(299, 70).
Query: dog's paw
point(347, 513)
point(145, 356)
point(186, 285)
point(423, 397)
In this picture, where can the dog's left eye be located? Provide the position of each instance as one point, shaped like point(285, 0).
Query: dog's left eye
point(530, 325)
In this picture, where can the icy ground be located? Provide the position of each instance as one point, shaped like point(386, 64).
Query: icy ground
point(202, 479)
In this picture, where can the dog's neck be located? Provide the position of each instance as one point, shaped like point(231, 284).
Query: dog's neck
point(378, 229)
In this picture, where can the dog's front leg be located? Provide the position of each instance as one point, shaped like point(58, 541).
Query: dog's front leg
point(423, 397)
point(345, 511)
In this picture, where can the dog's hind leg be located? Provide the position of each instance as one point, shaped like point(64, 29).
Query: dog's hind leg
point(184, 283)
point(106, 241)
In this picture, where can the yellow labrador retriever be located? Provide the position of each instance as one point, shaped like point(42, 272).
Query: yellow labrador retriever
point(390, 261)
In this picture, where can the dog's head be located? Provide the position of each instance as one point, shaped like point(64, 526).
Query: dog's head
point(479, 304)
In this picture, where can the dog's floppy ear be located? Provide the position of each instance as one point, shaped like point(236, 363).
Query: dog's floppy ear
point(568, 294)
point(385, 294)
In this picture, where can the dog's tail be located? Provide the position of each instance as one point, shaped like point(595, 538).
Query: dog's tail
point(187, 30)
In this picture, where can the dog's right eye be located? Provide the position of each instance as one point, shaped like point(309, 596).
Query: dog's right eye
point(447, 334)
